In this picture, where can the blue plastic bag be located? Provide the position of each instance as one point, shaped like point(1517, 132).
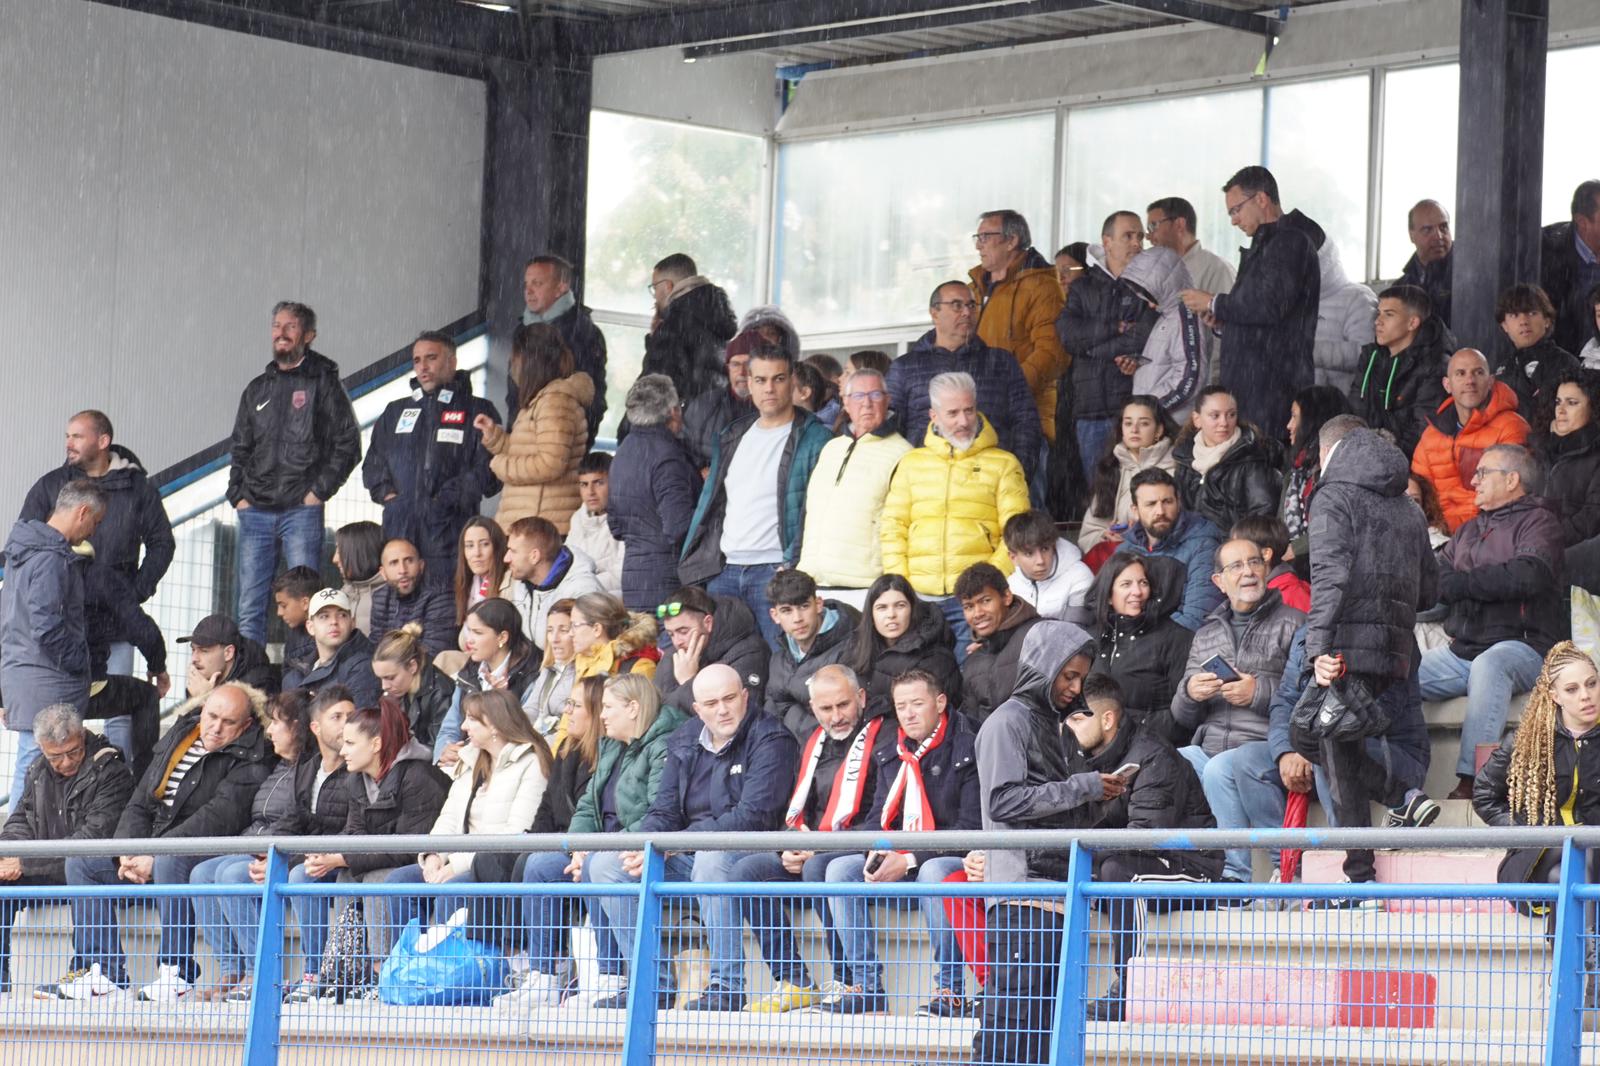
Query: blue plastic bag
point(458, 971)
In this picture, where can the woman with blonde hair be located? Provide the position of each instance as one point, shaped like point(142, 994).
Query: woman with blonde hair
point(423, 691)
point(1548, 772)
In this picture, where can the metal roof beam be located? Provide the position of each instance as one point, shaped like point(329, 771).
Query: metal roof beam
point(747, 18)
point(1201, 11)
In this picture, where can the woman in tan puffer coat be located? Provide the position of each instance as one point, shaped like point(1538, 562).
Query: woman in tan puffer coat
point(537, 461)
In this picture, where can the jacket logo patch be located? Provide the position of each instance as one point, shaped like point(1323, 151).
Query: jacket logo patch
point(453, 418)
point(298, 399)
point(451, 436)
point(408, 420)
point(738, 768)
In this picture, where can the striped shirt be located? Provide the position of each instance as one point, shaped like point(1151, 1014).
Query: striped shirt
point(183, 766)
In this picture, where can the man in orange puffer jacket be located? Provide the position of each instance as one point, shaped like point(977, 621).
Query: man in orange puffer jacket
point(1480, 413)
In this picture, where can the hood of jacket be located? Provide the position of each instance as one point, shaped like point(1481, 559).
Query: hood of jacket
point(33, 537)
point(1332, 268)
point(734, 622)
point(567, 563)
point(928, 629)
point(1027, 261)
point(1045, 650)
point(124, 471)
point(414, 751)
point(1161, 273)
point(1167, 579)
point(578, 385)
point(1297, 221)
point(839, 621)
point(248, 655)
point(769, 315)
point(1366, 460)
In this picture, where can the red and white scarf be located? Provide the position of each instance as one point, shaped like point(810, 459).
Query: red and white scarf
point(849, 781)
point(908, 791)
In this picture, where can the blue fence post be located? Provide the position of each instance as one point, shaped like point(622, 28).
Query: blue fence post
point(266, 1000)
point(1070, 1039)
point(639, 1038)
point(1564, 1045)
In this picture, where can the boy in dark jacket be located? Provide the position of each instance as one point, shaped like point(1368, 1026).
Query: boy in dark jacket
point(815, 633)
point(706, 629)
point(344, 654)
point(999, 620)
point(77, 791)
point(1399, 383)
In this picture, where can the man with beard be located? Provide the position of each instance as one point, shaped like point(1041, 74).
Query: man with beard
point(295, 441)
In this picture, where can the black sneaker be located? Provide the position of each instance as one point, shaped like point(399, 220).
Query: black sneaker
point(1345, 903)
point(716, 999)
point(1232, 902)
point(947, 1004)
point(1111, 1007)
point(664, 1001)
point(1421, 811)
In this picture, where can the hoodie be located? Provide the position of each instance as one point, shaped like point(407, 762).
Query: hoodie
point(571, 575)
point(990, 672)
point(406, 801)
point(791, 670)
point(1176, 360)
point(44, 638)
point(1345, 314)
point(1026, 760)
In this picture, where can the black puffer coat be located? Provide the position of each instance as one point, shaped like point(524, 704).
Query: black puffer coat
point(1165, 794)
point(735, 641)
point(654, 488)
point(1573, 484)
point(990, 672)
point(927, 645)
point(1373, 567)
point(1145, 653)
point(426, 708)
point(705, 419)
point(85, 806)
point(1247, 480)
point(1101, 321)
point(688, 344)
point(1534, 374)
point(1398, 393)
point(213, 799)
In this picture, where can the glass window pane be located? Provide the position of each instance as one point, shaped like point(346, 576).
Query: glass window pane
point(1317, 149)
point(659, 187)
point(1123, 156)
point(870, 224)
point(1570, 157)
point(624, 358)
point(1419, 153)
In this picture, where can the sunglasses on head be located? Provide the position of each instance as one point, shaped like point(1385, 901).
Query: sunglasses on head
point(669, 610)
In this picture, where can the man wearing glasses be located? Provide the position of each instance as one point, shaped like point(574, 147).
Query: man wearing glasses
point(844, 499)
point(1500, 577)
point(953, 345)
point(1170, 223)
point(1481, 412)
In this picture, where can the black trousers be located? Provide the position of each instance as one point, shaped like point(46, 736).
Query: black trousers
point(122, 695)
point(1127, 916)
point(1019, 1002)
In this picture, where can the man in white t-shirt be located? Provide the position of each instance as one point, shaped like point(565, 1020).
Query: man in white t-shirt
point(751, 512)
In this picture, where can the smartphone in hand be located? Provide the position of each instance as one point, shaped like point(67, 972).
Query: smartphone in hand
point(1126, 771)
point(1219, 666)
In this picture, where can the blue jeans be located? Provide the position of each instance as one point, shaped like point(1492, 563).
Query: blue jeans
point(1488, 681)
point(719, 915)
point(768, 916)
point(230, 923)
point(311, 913)
point(950, 607)
point(298, 530)
point(1093, 436)
point(1244, 791)
point(27, 753)
point(749, 583)
point(96, 936)
point(854, 925)
point(547, 918)
point(119, 730)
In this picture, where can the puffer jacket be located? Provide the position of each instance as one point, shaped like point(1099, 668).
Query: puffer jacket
point(735, 641)
point(587, 345)
point(213, 799)
point(744, 787)
point(653, 493)
point(1500, 575)
point(1145, 653)
point(1345, 314)
point(351, 667)
point(687, 343)
point(537, 461)
point(789, 675)
point(946, 508)
point(135, 517)
point(702, 557)
point(1269, 321)
point(332, 808)
point(1025, 775)
point(927, 645)
point(1262, 651)
point(950, 773)
point(295, 432)
point(843, 545)
point(506, 803)
point(1091, 328)
point(569, 779)
point(1018, 315)
point(1192, 542)
point(634, 650)
point(1399, 392)
point(1175, 362)
point(637, 766)
point(85, 806)
point(1095, 526)
point(1374, 567)
point(990, 672)
point(1247, 480)
point(1573, 484)
point(427, 707)
point(1164, 794)
point(1448, 452)
point(571, 575)
point(1003, 396)
point(44, 639)
point(405, 801)
point(274, 806)
point(1577, 764)
point(1534, 374)
point(705, 419)
point(432, 605)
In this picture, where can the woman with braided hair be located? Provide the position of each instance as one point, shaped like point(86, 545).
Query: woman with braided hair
point(1548, 773)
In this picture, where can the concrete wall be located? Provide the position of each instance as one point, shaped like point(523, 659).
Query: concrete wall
point(165, 183)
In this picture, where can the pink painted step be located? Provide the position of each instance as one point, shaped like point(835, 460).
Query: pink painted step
point(1418, 867)
point(1170, 991)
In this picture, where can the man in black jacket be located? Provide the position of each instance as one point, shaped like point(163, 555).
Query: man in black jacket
point(129, 707)
point(999, 620)
point(694, 322)
point(426, 465)
point(1569, 266)
point(705, 630)
point(716, 409)
point(547, 290)
point(200, 784)
point(1269, 321)
point(1399, 382)
point(815, 633)
point(77, 791)
point(1163, 792)
point(1431, 267)
point(219, 653)
point(414, 592)
point(295, 441)
point(344, 654)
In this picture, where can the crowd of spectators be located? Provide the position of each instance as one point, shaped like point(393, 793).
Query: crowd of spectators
point(1112, 544)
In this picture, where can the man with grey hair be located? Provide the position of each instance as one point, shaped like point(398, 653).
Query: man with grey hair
point(953, 344)
point(653, 491)
point(950, 499)
point(44, 636)
point(1500, 576)
point(77, 791)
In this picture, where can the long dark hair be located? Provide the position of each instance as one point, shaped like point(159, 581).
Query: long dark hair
point(500, 616)
point(1317, 404)
point(869, 644)
point(1107, 470)
point(360, 548)
point(538, 357)
point(497, 564)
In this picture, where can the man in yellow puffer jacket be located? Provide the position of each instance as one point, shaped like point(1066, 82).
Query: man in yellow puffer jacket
point(950, 498)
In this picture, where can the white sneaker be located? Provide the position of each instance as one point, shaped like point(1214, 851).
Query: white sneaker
point(537, 990)
point(168, 987)
point(436, 933)
point(77, 985)
point(831, 993)
point(606, 986)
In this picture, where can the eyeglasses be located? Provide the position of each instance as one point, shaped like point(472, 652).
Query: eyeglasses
point(1234, 209)
point(958, 305)
point(64, 756)
point(654, 285)
point(571, 703)
point(875, 395)
point(1238, 566)
point(1155, 224)
point(981, 238)
point(669, 610)
point(1478, 474)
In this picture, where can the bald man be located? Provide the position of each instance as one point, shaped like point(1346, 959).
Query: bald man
point(414, 592)
point(1428, 225)
point(1480, 413)
point(727, 770)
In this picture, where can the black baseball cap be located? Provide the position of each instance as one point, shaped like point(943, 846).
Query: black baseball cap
point(213, 631)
